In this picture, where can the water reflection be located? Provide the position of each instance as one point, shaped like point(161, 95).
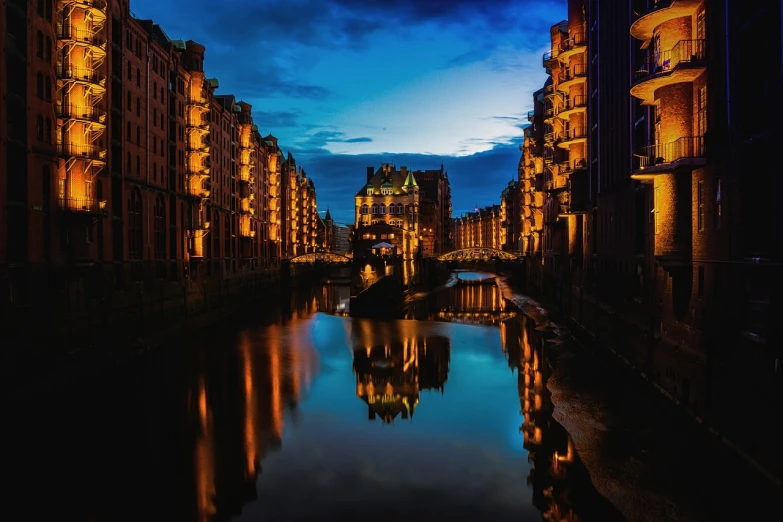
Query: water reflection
point(264, 423)
point(478, 302)
point(390, 374)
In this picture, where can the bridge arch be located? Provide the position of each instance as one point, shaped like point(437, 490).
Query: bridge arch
point(324, 257)
point(477, 254)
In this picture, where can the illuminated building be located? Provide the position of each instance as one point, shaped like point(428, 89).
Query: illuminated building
point(299, 230)
point(511, 217)
point(130, 168)
point(434, 210)
point(482, 228)
point(531, 179)
point(389, 198)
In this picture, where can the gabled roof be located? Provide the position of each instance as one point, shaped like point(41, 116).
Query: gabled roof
point(386, 177)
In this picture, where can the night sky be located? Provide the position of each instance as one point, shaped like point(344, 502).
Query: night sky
point(347, 84)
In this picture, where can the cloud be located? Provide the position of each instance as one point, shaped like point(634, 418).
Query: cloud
point(358, 140)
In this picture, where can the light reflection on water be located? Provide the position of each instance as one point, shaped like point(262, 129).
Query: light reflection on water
point(319, 416)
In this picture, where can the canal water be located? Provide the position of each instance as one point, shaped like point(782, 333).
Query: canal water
point(304, 415)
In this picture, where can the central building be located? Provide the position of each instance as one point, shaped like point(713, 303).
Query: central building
point(409, 210)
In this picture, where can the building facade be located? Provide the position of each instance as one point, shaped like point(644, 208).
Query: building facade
point(482, 228)
point(647, 147)
point(122, 165)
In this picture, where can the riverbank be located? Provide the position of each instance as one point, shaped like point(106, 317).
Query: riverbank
point(642, 452)
point(132, 332)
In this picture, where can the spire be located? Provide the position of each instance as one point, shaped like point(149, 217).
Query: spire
point(410, 181)
point(328, 216)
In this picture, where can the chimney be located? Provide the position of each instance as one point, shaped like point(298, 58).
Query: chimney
point(370, 173)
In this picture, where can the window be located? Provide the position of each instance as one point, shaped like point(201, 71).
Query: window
point(382, 209)
point(39, 44)
point(49, 10)
point(700, 203)
point(700, 25)
point(134, 225)
point(39, 85)
point(138, 163)
point(369, 191)
point(656, 211)
point(374, 209)
point(48, 49)
point(48, 88)
point(128, 41)
point(48, 130)
point(700, 287)
point(138, 106)
point(39, 127)
point(130, 71)
point(129, 102)
point(718, 206)
point(363, 210)
point(160, 230)
point(138, 77)
point(701, 115)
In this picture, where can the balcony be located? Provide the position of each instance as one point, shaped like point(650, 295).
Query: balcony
point(199, 103)
point(663, 158)
point(82, 75)
point(574, 75)
point(549, 114)
point(570, 167)
point(661, 11)
point(550, 58)
point(85, 113)
point(576, 44)
point(85, 152)
point(573, 105)
point(572, 136)
point(682, 63)
point(578, 193)
point(81, 37)
point(86, 206)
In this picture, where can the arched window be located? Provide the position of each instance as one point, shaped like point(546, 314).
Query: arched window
point(160, 229)
point(134, 224)
point(48, 88)
point(363, 210)
point(382, 209)
point(400, 210)
point(49, 10)
point(374, 209)
point(48, 49)
point(39, 85)
point(39, 41)
point(39, 127)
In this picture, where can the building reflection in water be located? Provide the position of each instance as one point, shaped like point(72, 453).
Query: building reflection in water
point(239, 414)
point(562, 489)
point(477, 303)
point(393, 362)
point(331, 299)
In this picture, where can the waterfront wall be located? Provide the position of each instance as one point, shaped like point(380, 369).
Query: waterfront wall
point(731, 384)
point(77, 313)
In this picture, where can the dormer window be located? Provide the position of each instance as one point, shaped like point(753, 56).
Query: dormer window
point(369, 191)
point(387, 191)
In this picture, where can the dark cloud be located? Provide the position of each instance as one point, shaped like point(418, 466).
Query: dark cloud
point(276, 119)
point(475, 179)
point(363, 139)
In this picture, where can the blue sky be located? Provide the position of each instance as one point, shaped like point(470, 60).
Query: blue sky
point(346, 84)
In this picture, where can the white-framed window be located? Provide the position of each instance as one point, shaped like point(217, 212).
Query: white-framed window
point(369, 191)
point(374, 209)
point(382, 209)
point(387, 191)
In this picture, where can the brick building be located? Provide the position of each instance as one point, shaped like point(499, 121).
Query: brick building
point(482, 228)
point(653, 236)
point(122, 165)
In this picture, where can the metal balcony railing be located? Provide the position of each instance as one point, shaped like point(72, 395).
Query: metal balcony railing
point(86, 36)
point(666, 153)
point(654, 6)
point(66, 72)
point(93, 4)
point(549, 136)
point(89, 205)
point(549, 112)
point(574, 133)
point(573, 102)
point(198, 102)
point(80, 112)
point(684, 52)
point(89, 152)
point(548, 57)
point(572, 73)
point(576, 40)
